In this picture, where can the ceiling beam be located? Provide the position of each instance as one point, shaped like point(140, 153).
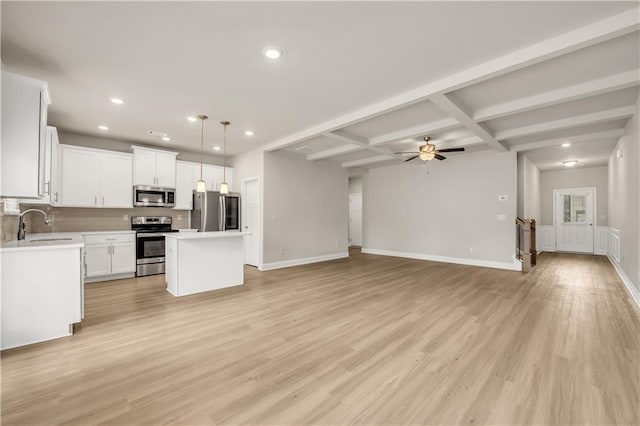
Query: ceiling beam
point(461, 143)
point(608, 134)
point(369, 160)
point(459, 112)
point(412, 132)
point(587, 35)
point(567, 123)
point(566, 94)
point(334, 152)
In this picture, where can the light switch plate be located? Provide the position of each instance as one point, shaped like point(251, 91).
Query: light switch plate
point(503, 197)
point(502, 217)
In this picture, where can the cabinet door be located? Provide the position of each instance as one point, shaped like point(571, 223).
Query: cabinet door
point(218, 177)
point(184, 185)
point(230, 179)
point(80, 177)
point(97, 260)
point(144, 168)
point(209, 175)
point(54, 176)
point(123, 258)
point(166, 170)
point(117, 187)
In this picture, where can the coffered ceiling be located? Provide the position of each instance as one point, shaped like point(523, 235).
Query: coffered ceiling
point(357, 81)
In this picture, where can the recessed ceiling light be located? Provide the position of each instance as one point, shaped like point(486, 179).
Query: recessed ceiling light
point(570, 163)
point(117, 101)
point(103, 128)
point(248, 132)
point(192, 119)
point(166, 138)
point(216, 148)
point(272, 52)
point(566, 145)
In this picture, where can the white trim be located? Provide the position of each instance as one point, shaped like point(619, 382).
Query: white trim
point(302, 261)
point(516, 265)
point(608, 134)
point(368, 160)
point(628, 284)
point(243, 213)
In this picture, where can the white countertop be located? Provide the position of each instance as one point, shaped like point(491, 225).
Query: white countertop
point(54, 240)
point(205, 235)
point(48, 241)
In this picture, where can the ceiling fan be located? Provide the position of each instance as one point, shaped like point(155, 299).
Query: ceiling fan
point(428, 152)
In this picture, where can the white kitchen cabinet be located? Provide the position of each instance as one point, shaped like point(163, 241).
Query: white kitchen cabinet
point(97, 260)
point(185, 184)
point(117, 190)
point(109, 256)
point(213, 175)
point(153, 167)
point(81, 177)
point(51, 194)
point(24, 133)
point(95, 178)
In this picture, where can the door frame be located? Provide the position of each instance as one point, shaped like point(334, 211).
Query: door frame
point(243, 209)
point(358, 194)
point(595, 214)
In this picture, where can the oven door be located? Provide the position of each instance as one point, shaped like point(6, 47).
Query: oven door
point(149, 248)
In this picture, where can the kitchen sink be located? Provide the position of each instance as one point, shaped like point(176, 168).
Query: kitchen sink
point(40, 240)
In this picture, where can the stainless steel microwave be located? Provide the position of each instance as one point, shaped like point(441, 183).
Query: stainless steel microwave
point(152, 196)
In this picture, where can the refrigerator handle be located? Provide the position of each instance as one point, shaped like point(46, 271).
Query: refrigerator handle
point(203, 212)
point(220, 213)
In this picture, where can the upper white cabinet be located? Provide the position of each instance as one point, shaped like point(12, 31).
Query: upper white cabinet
point(153, 167)
point(95, 178)
point(51, 191)
point(24, 134)
point(185, 184)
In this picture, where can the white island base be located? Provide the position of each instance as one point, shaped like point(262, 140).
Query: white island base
point(203, 261)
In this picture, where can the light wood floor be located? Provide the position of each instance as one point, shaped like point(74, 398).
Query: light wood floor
point(369, 340)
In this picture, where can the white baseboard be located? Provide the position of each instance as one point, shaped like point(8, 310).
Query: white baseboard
point(633, 291)
point(302, 261)
point(516, 265)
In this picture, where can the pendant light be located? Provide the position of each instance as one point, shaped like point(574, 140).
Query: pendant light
point(224, 187)
point(202, 185)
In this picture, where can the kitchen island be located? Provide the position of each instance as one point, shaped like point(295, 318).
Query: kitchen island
point(203, 261)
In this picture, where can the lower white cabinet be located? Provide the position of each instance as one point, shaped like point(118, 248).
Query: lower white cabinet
point(109, 256)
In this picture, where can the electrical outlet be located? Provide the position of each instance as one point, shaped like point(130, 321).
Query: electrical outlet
point(470, 249)
point(125, 217)
point(281, 250)
point(179, 217)
point(337, 244)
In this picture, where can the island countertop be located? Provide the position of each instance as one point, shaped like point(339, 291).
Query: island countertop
point(205, 235)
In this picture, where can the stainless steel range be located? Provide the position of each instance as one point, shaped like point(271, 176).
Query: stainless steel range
point(150, 253)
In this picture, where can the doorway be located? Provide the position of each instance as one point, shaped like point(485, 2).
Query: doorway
point(355, 220)
point(574, 211)
point(251, 220)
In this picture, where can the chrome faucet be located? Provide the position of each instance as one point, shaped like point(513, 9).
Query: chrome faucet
point(47, 220)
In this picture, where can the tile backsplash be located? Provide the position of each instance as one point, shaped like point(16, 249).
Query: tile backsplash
point(69, 219)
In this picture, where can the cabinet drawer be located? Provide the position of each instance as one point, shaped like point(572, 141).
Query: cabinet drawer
point(109, 238)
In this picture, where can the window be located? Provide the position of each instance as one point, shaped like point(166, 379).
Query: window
point(574, 208)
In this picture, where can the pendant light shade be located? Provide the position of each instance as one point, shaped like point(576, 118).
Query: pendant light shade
point(201, 185)
point(224, 187)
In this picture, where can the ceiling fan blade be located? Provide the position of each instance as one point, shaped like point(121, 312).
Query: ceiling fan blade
point(451, 150)
point(407, 152)
point(412, 158)
point(440, 157)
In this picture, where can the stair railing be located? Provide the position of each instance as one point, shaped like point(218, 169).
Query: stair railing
point(526, 243)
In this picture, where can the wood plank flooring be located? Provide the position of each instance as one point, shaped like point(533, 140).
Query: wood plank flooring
point(368, 340)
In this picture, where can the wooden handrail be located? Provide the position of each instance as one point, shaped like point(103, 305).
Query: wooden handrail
point(529, 253)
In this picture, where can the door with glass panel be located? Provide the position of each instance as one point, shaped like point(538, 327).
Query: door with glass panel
point(574, 214)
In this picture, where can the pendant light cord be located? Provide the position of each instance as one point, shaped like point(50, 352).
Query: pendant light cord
point(224, 156)
point(201, 143)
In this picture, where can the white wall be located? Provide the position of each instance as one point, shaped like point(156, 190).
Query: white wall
point(306, 208)
point(447, 212)
point(355, 185)
point(624, 197)
point(528, 189)
point(582, 177)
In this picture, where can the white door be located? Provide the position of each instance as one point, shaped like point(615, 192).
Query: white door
point(81, 177)
point(144, 169)
point(251, 221)
point(185, 184)
point(166, 170)
point(97, 259)
point(123, 258)
point(355, 219)
point(574, 213)
point(117, 185)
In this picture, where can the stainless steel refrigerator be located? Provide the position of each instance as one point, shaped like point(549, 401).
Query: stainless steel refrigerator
point(213, 211)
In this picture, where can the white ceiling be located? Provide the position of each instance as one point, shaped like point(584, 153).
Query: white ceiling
point(173, 59)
